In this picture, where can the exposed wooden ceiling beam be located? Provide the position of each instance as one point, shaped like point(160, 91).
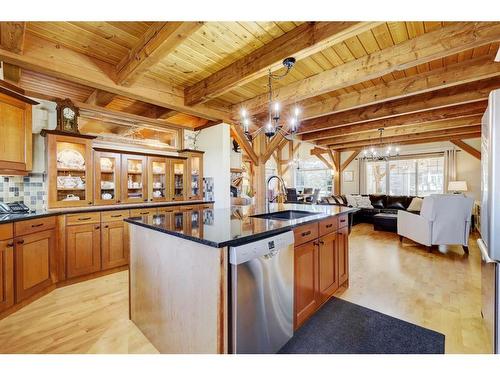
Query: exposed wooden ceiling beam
point(348, 161)
point(452, 96)
point(60, 62)
point(450, 133)
point(156, 43)
point(452, 75)
point(475, 134)
point(12, 39)
point(443, 42)
point(467, 148)
point(272, 146)
point(100, 98)
point(374, 136)
point(325, 162)
point(300, 42)
point(239, 136)
point(461, 110)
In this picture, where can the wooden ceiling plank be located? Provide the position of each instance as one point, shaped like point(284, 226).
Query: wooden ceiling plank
point(60, 62)
point(374, 136)
point(452, 39)
point(451, 133)
point(100, 98)
point(239, 136)
point(12, 39)
point(467, 148)
point(452, 75)
point(341, 127)
point(158, 41)
point(300, 42)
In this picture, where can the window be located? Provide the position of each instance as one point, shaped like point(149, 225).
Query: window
point(419, 176)
point(312, 173)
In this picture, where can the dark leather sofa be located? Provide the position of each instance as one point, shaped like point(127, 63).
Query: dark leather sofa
point(381, 204)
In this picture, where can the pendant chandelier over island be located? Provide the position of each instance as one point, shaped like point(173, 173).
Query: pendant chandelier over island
point(380, 153)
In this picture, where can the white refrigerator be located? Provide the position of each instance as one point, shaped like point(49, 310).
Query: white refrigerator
point(489, 243)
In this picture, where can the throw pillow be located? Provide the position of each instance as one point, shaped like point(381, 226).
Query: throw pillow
point(351, 200)
point(363, 202)
point(416, 204)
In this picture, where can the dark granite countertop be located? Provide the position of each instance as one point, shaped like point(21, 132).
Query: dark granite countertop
point(9, 218)
point(233, 226)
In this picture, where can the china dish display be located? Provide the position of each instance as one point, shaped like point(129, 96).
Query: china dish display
point(70, 159)
point(70, 182)
point(106, 165)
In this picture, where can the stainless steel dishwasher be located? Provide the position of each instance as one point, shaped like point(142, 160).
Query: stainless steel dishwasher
point(262, 294)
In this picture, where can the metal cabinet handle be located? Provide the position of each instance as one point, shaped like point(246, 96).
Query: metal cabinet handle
point(36, 225)
point(321, 242)
point(144, 213)
point(11, 244)
point(306, 233)
point(20, 242)
point(328, 225)
point(84, 218)
point(342, 220)
point(116, 215)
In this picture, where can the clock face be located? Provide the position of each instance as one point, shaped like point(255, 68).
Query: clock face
point(68, 113)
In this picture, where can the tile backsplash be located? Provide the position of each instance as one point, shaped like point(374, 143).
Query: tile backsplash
point(31, 190)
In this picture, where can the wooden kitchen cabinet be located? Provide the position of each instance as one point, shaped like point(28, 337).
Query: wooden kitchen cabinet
point(83, 249)
point(114, 244)
point(194, 175)
point(6, 274)
point(343, 254)
point(33, 257)
point(178, 179)
point(107, 172)
point(134, 179)
point(306, 282)
point(16, 131)
point(158, 179)
point(328, 275)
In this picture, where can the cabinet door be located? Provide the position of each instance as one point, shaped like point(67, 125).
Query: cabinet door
point(195, 184)
point(306, 281)
point(343, 254)
point(83, 249)
point(178, 179)
point(134, 179)
point(6, 274)
point(33, 254)
point(114, 245)
point(328, 269)
point(15, 127)
point(158, 179)
point(107, 170)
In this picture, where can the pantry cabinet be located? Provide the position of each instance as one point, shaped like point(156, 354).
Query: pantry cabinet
point(16, 131)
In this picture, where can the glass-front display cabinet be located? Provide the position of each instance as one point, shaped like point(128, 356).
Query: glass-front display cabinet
point(158, 173)
point(194, 178)
point(69, 163)
point(178, 172)
point(107, 189)
point(134, 179)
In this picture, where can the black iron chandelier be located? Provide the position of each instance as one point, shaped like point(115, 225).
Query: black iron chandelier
point(380, 153)
point(274, 124)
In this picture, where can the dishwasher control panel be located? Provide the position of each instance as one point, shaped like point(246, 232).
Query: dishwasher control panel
point(265, 247)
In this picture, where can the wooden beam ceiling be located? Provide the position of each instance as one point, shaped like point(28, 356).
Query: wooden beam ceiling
point(466, 94)
point(461, 110)
point(450, 133)
point(100, 98)
point(239, 136)
point(467, 148)
point(422, 49)
point(158, 41)
point(12, 39)
point(374, 136)
point(452, 75)
point(348, 161)
point(57, 61)
point(301, 42)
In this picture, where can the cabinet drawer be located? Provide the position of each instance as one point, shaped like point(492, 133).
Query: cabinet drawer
point(6, 231)
point(188, 208)
point(207, 206)
point(167, 209)
point(343, 221)
point(305, 233)
point(327, 226)
point(108, 216)
point(83, 218)
point(143, 211)
point(34, 225)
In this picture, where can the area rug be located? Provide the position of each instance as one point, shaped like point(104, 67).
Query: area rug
point(341, 327)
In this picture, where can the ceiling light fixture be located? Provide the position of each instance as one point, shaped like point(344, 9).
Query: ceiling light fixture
point(273, 124)
point(380, 153)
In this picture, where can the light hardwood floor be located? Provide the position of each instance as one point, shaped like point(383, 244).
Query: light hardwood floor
point(440, 291)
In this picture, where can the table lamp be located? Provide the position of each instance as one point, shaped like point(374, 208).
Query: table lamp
point(457, 187)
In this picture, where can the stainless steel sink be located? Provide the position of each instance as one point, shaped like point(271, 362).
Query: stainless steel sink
point(285, 215)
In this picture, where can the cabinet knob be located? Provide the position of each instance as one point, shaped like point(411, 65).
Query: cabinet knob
point(105, 226)
point(118, 201)
point(97, 227)
point(20, 242)
point(10, 244)
point(90, 203)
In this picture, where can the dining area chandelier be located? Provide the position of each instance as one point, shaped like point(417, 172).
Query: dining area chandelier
point(273, 123)
point(380, 152)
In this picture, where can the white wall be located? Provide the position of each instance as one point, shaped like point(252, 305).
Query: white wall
point(468, 167)
point(216, 142)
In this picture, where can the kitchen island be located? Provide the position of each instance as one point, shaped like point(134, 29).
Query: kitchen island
point(180, 271)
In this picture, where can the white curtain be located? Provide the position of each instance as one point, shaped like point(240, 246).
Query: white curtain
point(362, 175)
point(450, 167)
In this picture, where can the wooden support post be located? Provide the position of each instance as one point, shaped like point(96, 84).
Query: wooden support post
point(336, 173)
point(259, 146)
